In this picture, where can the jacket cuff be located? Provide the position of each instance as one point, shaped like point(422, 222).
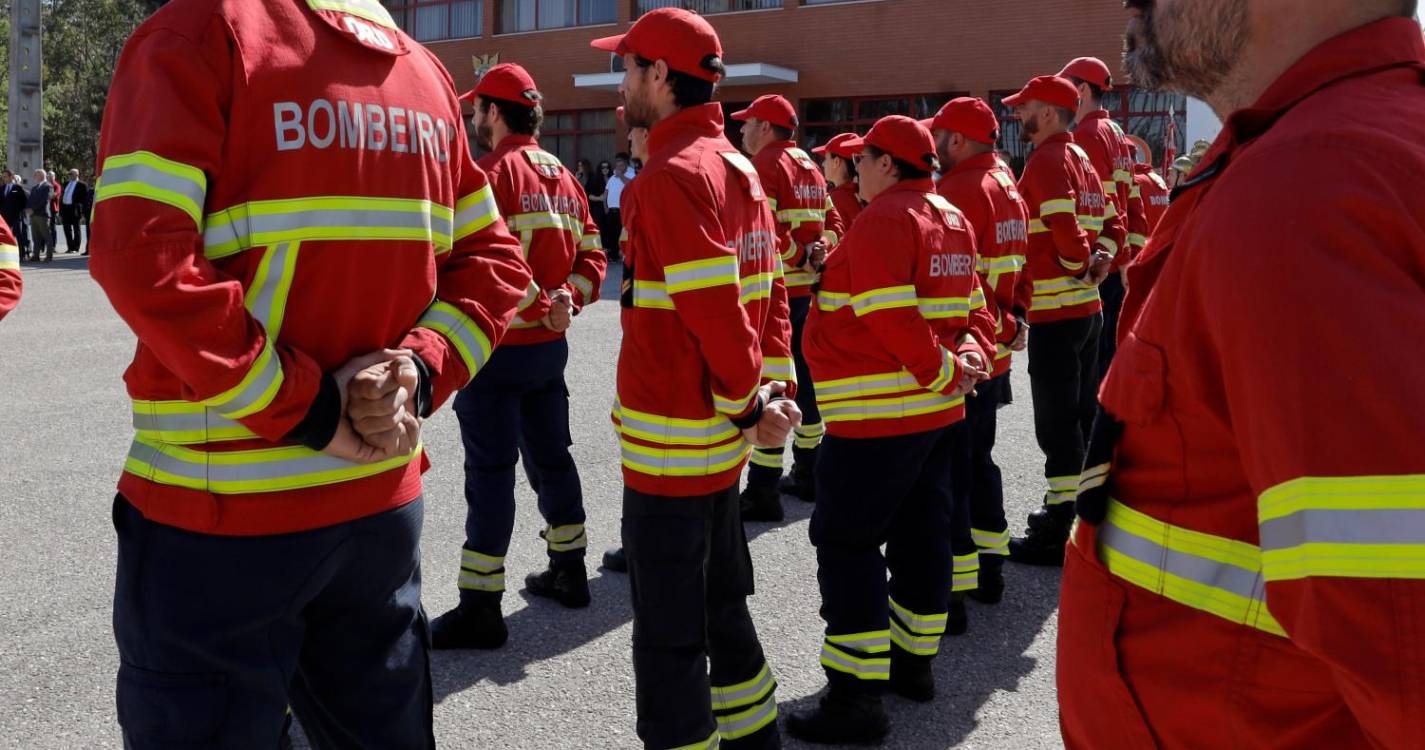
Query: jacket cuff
point(425, 404)
point(753, 415)
point(317, 429)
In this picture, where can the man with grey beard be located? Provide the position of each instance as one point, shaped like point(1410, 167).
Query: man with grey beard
point(1249, 566)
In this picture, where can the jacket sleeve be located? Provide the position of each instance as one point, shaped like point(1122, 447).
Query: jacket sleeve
point(1137, 225)
point(702, 275)
point(535, 304)
point(1114, 236)
point(782, 200)
point(590, 264)
point(1331, 441)
point(479, 285)
point(11, 284)
point(1051, 195)
point(885, 299)
point(834, 228)
point(777, 363)
point(981, 325)
point(155, 164)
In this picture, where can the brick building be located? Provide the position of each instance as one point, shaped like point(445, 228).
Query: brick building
point(843, 63)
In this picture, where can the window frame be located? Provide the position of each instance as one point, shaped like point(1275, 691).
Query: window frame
point(579, 132)
point(1123, 114)
point(639, 10)
point(857, 123)
point(408, 8)
point(538, 5)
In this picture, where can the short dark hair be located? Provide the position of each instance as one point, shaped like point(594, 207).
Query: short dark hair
point(1094, 88)
point(783, 134)
point(519, 118)
point(1065, 114)
point(850, 164)
point(690, 90)
point(621, 155)
point(904, 169)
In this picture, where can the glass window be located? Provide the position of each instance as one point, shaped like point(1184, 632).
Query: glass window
point(708, 6)
point(581, 134)
point(434, 20)
point(1141, 113)
point(824, 118)
point(530, 15)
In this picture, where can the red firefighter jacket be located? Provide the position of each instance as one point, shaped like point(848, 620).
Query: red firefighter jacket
point(1067, 219)
point(1111, 154)
point(705, 316)
point(797, 195)
point(983, 189)
point(283, 187)
point(545, 207)
point(1260, 580)
point(846, 203)
point(895, 307)
point(1152, 190)
point(11, 285)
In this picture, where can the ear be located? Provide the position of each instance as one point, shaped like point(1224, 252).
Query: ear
point(660, 71)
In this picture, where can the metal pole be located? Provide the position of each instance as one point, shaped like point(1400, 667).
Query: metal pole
point(26, 149)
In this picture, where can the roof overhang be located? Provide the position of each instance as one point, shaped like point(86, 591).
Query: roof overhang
point(742, 74)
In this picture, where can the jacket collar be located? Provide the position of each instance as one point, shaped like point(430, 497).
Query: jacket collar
point(977, 163)
point(703, 120)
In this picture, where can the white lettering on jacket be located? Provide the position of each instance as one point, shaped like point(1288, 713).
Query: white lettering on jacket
point(754, 246)
point(556, 204)
point(367, 33)
point(361, 126)
point(950, 264)
point(1012, 230)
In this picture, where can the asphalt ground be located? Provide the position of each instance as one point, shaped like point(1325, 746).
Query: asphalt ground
point(564, 680)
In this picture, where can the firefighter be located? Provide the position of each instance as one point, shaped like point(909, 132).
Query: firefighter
point(702, 307)
point(517, 408)
point(11, 284)
point(1070, 252)
point(1152, 190)
point(1111, 154)
point(892, 347)
point(1248, 570)
point(982, 186)
point(304, 290)
point(838, 167)
point(797, 194)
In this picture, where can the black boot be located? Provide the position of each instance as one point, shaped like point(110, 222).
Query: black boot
point(477, 623)
point(957, 619)
point(991, 586)
point(565, 582)
point(844, 717)
point(911, 677)
point(615, 560)
point(762, 504)
point(1043, 542)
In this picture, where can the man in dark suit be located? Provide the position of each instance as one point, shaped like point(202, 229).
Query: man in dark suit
point(41, 213)
point(12, 207)
point(73, 205)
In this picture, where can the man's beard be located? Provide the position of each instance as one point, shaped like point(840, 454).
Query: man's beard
point(1027, 130)
point(1191, 46)
point(485, 136)
point(639, 113)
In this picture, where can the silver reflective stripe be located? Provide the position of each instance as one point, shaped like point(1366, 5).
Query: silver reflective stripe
point(468, 339)
point(891, 407)
point(1319, 526)
point(724, 698)
point(757, 287)
point(869, 644)
point(247, 230)
point(739, 725)
point(158, 179)
point(664, 462)
point(873, 668)
point(675, 434)
point(869, 385)
point(724, 270)
point(261, 386)
point(265, 470)
point(944, 308)
point(1243, 582)
point(200, 425)
point(872, 301)
point(472, 581)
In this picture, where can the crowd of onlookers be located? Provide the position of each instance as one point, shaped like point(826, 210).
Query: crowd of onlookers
point(37, 214)
point(605, 187)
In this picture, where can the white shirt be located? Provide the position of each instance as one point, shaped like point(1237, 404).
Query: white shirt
point(616, 188)
point(68, 198)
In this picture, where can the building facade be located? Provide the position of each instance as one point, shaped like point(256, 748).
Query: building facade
point(842, 63)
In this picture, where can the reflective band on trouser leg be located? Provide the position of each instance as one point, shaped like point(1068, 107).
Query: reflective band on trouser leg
point(257, 388)
point(1348, 527)
point(1062, 490)
point(747, 707)
point(248, 471)
point(966, 572)
point(865, 656)
point(1208, 573)
point(480, 572)
point(808, 436)
point(916, 633)
point(991, 542)
point(143, 174)
point(711, 743)
point(9, 258)
point(470, 342)
point(565, 538)
point(770, 458)
point(325, 218)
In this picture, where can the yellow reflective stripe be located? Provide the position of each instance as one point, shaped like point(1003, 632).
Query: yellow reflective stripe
point(584, 284)
point(940, 308)
point(796, 277)
point(771, 202)
point(700, 274)
point(885, 298)
point(1037, 226)
point(809, 436)
point(710, 743)
point(831, 301)
point(965, 572)
point(543, 158)
point(1065, 291)
point(591, 242)
point(1090, 223)
point(757, 286)
point(931, 624)
point(266, 299)
point(991, 542)
point(734, 406)
point(830, 237)
point(464, 334)
point(948, 366)
point(672, 430)
point(184, 423)
point(256, 389)
point(9, 258)
point(744, 693)
point(744, 723)
point(480, 562)
point(367, 9)
point(1109, 245)
point(1137, 240)
point(1136, 191)
point(249, 471)
point(565, 538)
point(544, 220)
point(1123, 176)
point(1350, 527)
point(683, 462)
point(473, 213)
point(1070, 265)
point(834, 656)
point(779, 368)
point(144, 174)
point(768, 457)
point(1093, 477)
point(1057, 206)
point(531, 293)
point(327, 218)
point(889, 408)
point(877, 384)
point(798, 216)
point(472, 581)
point(920, 645)
point(651, 294)
point(1208, 573)
point(996, 267)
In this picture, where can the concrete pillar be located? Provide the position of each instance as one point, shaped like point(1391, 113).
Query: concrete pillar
point(26, 149)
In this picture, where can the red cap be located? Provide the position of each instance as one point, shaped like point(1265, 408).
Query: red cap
point(1052, 90)
point(844, 145)
point(770, 108)
point(679, 37)
point(905, 139)
point(1090, 69)
point(968, 116)
point(506, 81)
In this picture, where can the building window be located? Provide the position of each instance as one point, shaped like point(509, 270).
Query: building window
point(825, 2)
point(582, 134)
point(532, 15)
point(706, 7)
point(1141, 113)
point(824, 118)
point(434, 20)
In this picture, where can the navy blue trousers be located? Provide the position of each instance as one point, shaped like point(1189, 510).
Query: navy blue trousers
point(218, 635)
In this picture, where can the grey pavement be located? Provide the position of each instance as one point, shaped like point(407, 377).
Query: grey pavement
point(565, 678)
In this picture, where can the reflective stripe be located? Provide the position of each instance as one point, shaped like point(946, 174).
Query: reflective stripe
point(480, 562)
point(920, 645)
point(965, 573)
point(1108, 244)
point(808, 436)
point(917, 623)
point(831, 301)
point(470, 342)
point(531, 293)
point(241, 472)
point(1037, 226)
point(184, 423)
point(1093, 477)
point(875, 668)
point(545, 220)
point(565, 538)
point(584, 284)
point(744, 723)
point(779, 368)
point(683, 462)
point(700, 274)
point(889, 408)
point(711, 743)
point(671, 430)
point(257, 388)
point(977, 299)
point(473, 213)
point(1093, 223)
point(1060, 206)
point(591, 242)
point(1350, 527)
point(744, 693)
point(1110, 187)
point(865, 385)
point(266, 299)
point(367, 9)
point(884, 299)
point(799, 216)
point(1063, 489)
point(1208, 573)
point(758, 286)
point(949, 365)
point(770, 458)
point(796, 277)
point(1065, 291)
point(348, 218)
point(1137, 240)
point(651, 294)
point(991, 542)
point(471, 581)
point(143, 174)
point(734, 406)
point(940, 308)
point(9, 258)
point(870, 642)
